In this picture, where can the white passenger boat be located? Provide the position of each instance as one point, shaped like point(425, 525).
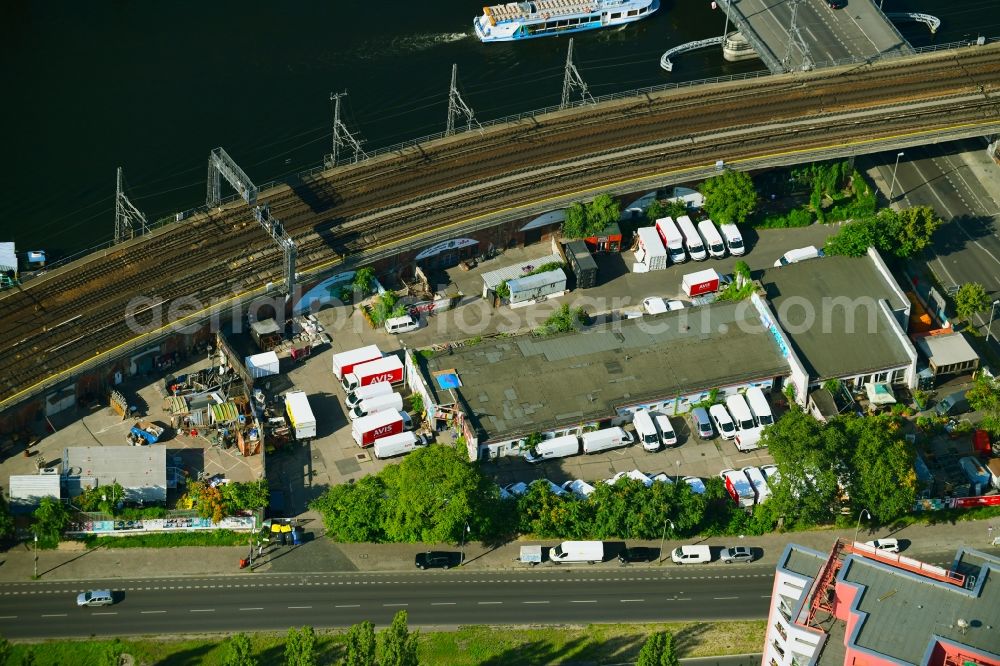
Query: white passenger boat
point(540, 18)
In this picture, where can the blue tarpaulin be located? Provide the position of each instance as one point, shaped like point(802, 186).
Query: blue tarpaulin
point(448, 380)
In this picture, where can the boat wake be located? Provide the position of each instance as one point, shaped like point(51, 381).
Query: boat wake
point(406, 44)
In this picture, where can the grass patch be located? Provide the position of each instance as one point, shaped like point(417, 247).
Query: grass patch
point(468, 646)
point(178, 540)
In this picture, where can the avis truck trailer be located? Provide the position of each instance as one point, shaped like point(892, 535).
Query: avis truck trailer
point(387, 369)
point(344, 362)
point(374, 426)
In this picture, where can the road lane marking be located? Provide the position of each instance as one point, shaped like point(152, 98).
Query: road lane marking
point(202, 610)
point(390, 605)
point(627, 601)
point(488, 603)
point(765, 596)
point(724, 598)
point(588, 601)
point(8, 617)
point(348, 606)
point(55, 615)
point(300, 607)
point(249, 609)
point(534, 602)
point(443, 603)
point(150, 612)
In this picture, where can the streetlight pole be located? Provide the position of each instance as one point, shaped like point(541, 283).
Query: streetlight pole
point(989, 326)
point(892, 188)
point(36, 557)
point(464, 532)
point(858, 527)
point(663, 538)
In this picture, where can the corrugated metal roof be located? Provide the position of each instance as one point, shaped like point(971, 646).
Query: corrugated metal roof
point(8, 257)
point(225, 413)
point(30, 488)
point(947, 349)
point(556, 276)
point(178, 405)
point(494, 278)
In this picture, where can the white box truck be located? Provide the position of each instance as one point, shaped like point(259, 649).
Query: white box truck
point(602, 440)
point(558, 447)
point(396, 445)
point(374, 426)
point(387, 369)
point(760, 488)
point(650, 250)
point(379, 403)
point(300, 415)
point(345, 361)
point(365, 392)
point(739, 488)
point(672, 239)
point(590, 552)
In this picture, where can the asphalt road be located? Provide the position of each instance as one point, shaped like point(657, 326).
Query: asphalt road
point(550, 595)
point(967, 247)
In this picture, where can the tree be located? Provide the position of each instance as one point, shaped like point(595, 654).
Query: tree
point(360, 643)
point(51, 518)
point(970, 300)
point(112, 653)
point(658, 650)
point(655, 211)
point(101, 498)
point(984, 396)
point(208, 501)
point(884, 480)
point(246, 496)
point(575, 225)
point(911, 229)
point(240, 652)
point(853, 239)
point(676, 207)
point(6, 522)
point(300, 647)
point(28, 657)
point(563, 320)
point(585, 221)
point(4, 650)
point(354, 513)
point(387, 306)
point(363, 280)
point(729, 197)
point(396, 645)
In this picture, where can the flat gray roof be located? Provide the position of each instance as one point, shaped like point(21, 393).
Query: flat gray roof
point(906, 609)
point(849, 333)
point(493, 278)
point(140, 470)
point(947, 349)
point(804, 562)
point(518, 385)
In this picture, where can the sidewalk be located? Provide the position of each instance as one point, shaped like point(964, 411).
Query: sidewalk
point(320, 555)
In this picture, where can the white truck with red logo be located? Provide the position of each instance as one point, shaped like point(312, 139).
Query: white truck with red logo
point(376, 426)
point(344, 362)
point(387, 369)
point(739, 488)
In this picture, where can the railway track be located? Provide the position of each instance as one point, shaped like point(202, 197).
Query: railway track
point(55, 323)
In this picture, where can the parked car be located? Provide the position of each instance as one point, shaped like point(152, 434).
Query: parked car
point(884, 545)
point(437, 559)
point(691, 555)
point(654, 305)
point(95, 598)
point(638, 554)
point(736, 554)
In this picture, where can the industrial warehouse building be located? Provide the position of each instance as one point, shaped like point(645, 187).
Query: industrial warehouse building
point(855, 605)
point(503, 390)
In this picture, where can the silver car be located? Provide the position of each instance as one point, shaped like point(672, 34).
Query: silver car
point(736, 554)
point(95, 598)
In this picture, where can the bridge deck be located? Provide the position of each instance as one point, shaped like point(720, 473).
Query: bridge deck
point(857, 30)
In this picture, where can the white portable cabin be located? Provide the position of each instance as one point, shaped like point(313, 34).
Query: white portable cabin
point(535, 286)
point(672, 239)
point(713, 241)
point(262, 365)
point(602, 440)
point(692, 240)
point(650, 250)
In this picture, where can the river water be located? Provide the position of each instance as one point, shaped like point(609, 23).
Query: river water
point(154, 86)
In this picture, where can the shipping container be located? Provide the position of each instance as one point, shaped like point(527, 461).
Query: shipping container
point(581, 263)
point(650, 250)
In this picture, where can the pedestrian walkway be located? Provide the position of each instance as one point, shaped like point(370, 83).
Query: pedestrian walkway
point(319, 555)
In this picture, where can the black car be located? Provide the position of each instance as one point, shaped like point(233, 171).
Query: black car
point(638, 554)
point(436, 559)
point(837, 4)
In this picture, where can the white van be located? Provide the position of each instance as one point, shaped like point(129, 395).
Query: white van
point(734, 241)
point(645, 430)
point(380, 403)
point(672, 239)
point(740, 412)
point(396, 445)
point(667, 435)
point(602, 440)
point(692, 241)
point(800, 254)
point(403, 324)
point(713, 241)
point(723, 422)
point(691, 555)
point(580, 488)
point(759, 406)
point(557, 447)
point(365, 392)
